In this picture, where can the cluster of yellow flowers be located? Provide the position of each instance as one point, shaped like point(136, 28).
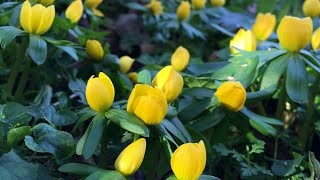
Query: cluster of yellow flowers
point(184, 9)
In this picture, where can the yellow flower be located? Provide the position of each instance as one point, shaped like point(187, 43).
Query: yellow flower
point(93, 4)
point(169, 81)
point(183, 11)
point(294, 33)
point(130, 159)
point(198, 4)
point(156, 7)
point(133, 76)
point(36, 19)
point(311, 8)
point(315, 41)
point(218, 2)
point(74, 11)
point(264, 26)
point(189, 161)
point(243, 40)
point(180, 58)
point(94, 49)
point(232, 95)
point(43, 2)
point(100, 93)
point(125, 63)
point(147, 103)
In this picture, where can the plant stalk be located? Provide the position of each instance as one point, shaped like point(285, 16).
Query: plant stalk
point(103, 159)
point(23, 81)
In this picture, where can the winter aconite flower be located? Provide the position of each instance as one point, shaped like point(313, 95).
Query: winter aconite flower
point(183, 11)
point(180, 58)
point(93, 4)
point(169, 81)
point(133, 76)
point(147, 103)
point(311, 8)
point(94, 50)
point(189, 160)
point(43, 2)
point(315, 41)
point(36, 19)
point(294, 33)
point(232, 95)
point(264, 26)
point(217, 2)
point(198, 4)
point(243, 40)
point(125, 63)
point(156, 7)
point(74, 11)
point(130, 159)
point(100, 93)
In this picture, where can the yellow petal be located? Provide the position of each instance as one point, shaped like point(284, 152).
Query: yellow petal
point(100, 93)
point(232, 95)
point(138, 90)
point(183, 11)
point(97, 12)
point(188, 161)
point(311, 8)
point(315, 42)
point(198, 4)
point(264, 26)
point(156, 7)
point(294, 33)
point(25, 16)
point(130, 159)
point(48, 15)
point(125, 63)
point(36, 18)
point(180, 58)
point(94, 50)
point(74, 11)
point(218, 2)
point(133, 76)
point(243, 40)
point(93, 4)
point(46, 2)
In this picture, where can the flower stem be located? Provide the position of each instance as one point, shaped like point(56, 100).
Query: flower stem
point(306, 134)
point(103, 162)
point(282, 101)
point(23, 80)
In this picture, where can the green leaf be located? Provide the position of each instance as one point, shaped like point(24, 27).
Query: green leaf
point(127, 121)
point(69, 50)
point(7, 34)
point(314, 165)
point(173, 130)
point(181, 128)
point(37, 49)
point(46, 139)
point(144, 77)
point(262, 94)
point(192, 32)
point(193, 109)
point(297, 81)
point(200, 82)
point(93, 139)
point(274, 71)
point(207, 177)
point(197, 137)
point(242, 70)
point(286, 167)
point(198, 92)
point(14, 113)
point(12, 167)
point(15, 16)
point(79, 169)
point(205, 68)
point(104, 175)
point(58, 42)
point(166, 134)
point(15, 135)
point(136, 6)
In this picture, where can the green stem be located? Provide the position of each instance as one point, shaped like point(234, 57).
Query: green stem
point(103, 162)
point(306, 133)
point(260, 107)
point(276, 148)
point(23, 80)
point(282, 101)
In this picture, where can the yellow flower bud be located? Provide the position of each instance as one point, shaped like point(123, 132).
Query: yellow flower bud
point(74, 11)
point(183, 11)
point(294, 33)
point(232, 95)
point(311, 8)
point(180, 58)
point(169, 81)
point(147, 103)
point(243, 40)
point(264, 26)
point(189, 160)
point(130, 159)
point(125, 63)
point(36, 19)
point(94, 50)
point(93, 4)
point(100, 93)
point(133, 76)
point(198, 4)
point(156, 7)
point(315, 41)
point(43, 2)
point(218, 2)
